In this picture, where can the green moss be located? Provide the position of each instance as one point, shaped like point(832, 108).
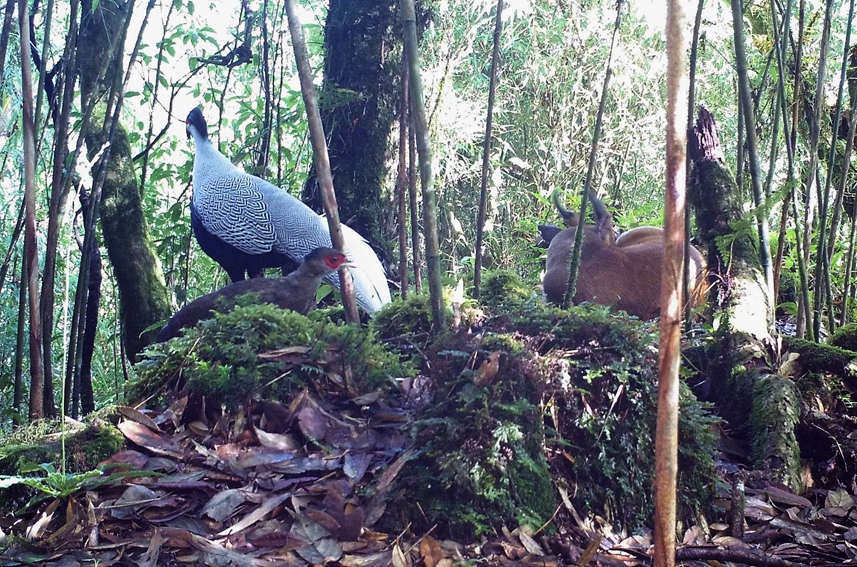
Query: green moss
point(409, 317)
point(38, 443)
point(845, 337)
point(220, 357)
point(480, 462)
point(503, 289)
point(776, 412)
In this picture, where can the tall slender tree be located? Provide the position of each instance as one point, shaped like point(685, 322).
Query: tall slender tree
point(31, 251)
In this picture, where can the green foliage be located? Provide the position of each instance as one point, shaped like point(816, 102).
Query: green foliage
point(220, 358)
point(53, 485)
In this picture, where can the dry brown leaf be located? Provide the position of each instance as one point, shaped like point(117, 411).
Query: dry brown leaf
point(40, 524)
point(531, 545)
point(513, 551)
point(431, 551)
point(312, 422)
point(488, 369)
point(223, 504)
point(759, 510)
point(75, 521)
point(292, 354)
point(136, 415)
point(283, 541)
point(132, 498)
point(150, 439)
point(216, 554)
point(694, 535)
point(367, 399)
point(124, 461)
point(838, 499)
point(781, 496)
point(153, 552)
point(380, 559)
point(278, 441)
point(729, 541)
point(589, 553)
point(259, 513)
point(355, 465)
point(392, 472)
point(198, 428)
point(325, 520)
point(321, 547)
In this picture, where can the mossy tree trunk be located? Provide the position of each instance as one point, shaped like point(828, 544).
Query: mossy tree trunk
point(751, 397)
point(358, 103)
point(143, 297)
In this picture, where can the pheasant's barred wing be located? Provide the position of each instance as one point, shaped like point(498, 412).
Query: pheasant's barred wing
point(299, 230)
point(234, 208)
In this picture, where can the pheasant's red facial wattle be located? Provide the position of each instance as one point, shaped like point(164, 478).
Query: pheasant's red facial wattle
point(333, 261)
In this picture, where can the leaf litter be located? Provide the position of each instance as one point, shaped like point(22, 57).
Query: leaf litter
point(304, 483)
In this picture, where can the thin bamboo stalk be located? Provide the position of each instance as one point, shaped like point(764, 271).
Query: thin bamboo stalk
point(320, 157)
point(402, 182)
point(752, 150)
point(669, 355)
point(409, 20)
point(574, 258)
point(486, 151)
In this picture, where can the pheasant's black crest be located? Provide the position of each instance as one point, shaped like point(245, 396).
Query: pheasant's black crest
point(197, 120)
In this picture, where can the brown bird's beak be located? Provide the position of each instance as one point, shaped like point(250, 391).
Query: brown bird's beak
point(348, 264)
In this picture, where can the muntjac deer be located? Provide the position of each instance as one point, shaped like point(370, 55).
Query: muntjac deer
point(625, 272)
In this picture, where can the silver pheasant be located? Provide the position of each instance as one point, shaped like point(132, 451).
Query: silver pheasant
point(247, 224)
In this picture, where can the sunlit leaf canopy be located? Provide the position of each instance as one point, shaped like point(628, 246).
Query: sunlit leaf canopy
point(553, 56)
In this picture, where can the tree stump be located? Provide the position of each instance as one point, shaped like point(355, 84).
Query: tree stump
point(754, 399)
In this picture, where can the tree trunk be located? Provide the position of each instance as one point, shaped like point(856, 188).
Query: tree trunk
point(361, 68)
point(31, 251)
point(764, 405)
point(82, 394)
point(143, 297)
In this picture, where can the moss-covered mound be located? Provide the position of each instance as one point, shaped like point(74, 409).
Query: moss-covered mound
point(598, 379)
point(501, 412)
point(845, 337)
point(267, 352)
point(540, 397)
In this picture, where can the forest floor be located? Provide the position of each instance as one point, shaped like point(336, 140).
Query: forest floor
point(265, 499)
point(307, 483)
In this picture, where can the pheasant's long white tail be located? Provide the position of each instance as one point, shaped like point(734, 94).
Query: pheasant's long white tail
point(370, 281)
